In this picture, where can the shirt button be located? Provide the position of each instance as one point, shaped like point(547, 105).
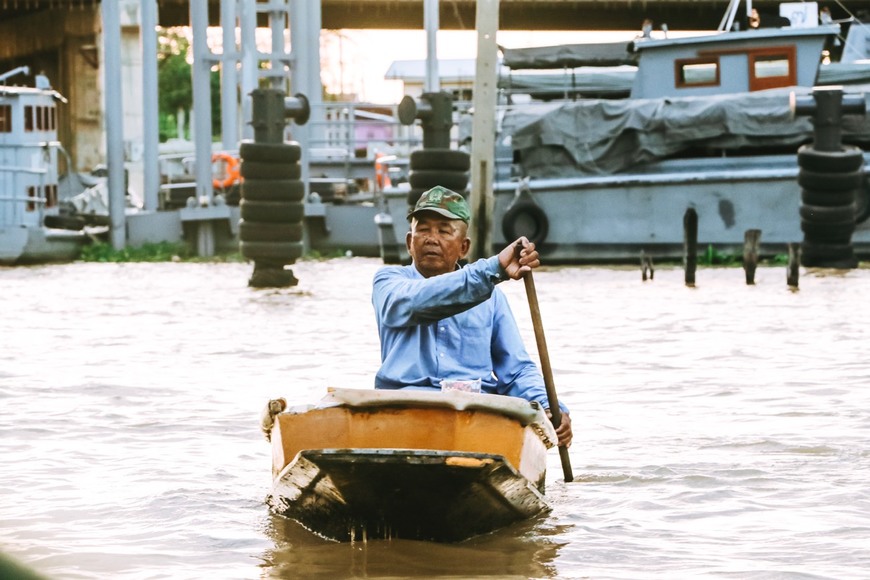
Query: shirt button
point(441, 355)
point(441, 329)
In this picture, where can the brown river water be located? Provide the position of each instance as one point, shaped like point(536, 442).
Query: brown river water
point(721, 431)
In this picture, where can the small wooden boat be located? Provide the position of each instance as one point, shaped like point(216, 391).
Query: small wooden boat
point(441, 466)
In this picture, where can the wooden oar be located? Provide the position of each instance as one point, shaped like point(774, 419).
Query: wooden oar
point(552, 399)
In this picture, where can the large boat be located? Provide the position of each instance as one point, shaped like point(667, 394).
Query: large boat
point(673, 123)
point(378, 464)
point(32, 227)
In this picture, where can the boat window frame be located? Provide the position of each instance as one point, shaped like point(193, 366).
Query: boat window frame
point(51, 195)
point(5, 118)
point(32, 198)
point(679, 69)
point(789, 51)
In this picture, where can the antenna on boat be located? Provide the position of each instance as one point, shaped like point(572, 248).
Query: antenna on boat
point(731, 14)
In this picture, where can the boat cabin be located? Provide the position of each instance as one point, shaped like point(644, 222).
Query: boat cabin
point(729, 62)
point(28, 154)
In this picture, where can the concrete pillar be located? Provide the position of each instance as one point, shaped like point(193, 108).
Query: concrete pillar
point(483, 130)
point(229, 77)
point(431, 23)
point(249, 59)
point(150, 113)
point(114, 108)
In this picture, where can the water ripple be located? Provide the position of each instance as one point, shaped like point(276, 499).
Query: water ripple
point(721, 431)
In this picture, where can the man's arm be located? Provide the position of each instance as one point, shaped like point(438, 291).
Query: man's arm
point(401, 300)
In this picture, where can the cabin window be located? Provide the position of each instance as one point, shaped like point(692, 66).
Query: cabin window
point(28, 118)
point(772, 68)
point(40, 126)
point(5, 118)
point(31, 194)
point(697, 72)
point(50, 195)
point(53, 112)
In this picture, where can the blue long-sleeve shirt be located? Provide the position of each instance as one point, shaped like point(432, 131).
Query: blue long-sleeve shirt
point(453, 326)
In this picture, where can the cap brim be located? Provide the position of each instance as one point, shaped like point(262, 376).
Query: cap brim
point(446, 213)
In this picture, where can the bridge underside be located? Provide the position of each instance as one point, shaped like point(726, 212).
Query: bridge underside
point(460, 14)
point(523, 14)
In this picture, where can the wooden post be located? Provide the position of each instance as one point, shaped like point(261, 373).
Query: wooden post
point(690, 245)
point(751, 239)
point(646, 266)
point(794, 262)
point(483, 129)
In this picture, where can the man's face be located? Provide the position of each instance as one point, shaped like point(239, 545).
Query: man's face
point(437, 243)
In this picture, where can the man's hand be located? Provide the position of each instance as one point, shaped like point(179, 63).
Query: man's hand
point(563, 432)
point(518, 258)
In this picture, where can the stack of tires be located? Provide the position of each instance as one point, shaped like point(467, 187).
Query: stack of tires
point(445, 167)
point(272, 208)
point(829, 182)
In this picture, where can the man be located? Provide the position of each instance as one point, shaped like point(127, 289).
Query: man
point(439, 321)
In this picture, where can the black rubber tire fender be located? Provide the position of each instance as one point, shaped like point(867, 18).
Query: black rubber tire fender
point(269, 232)
point(270, 152)
point(830, 181)
point(429, 178)
point(440, 159)
point(414, 196)
point(267, 170)
point(522, 214)
point(288, 252)
point(271, 211)
point(273, 190)
point(827, 198)
point(850, 159)
point(64, 222)
point(834, 232)
point(826, 255)
point(821, 214)
point(862, 201)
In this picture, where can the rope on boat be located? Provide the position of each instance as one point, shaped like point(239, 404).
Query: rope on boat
point(267, 416)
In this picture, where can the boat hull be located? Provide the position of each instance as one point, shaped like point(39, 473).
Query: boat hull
point(613, 218)
point(441, 466)
point(36, 245)
point(353, 494)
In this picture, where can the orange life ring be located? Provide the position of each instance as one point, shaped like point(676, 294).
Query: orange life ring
point(231, 169)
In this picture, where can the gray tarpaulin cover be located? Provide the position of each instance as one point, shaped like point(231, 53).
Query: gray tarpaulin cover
point(569, 56)
point(600, 137)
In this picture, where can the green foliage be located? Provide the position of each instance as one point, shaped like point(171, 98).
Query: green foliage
point(315, 255)
point(779, 260)
point(174, 74)
point(175, 81)
point(713, 257)
point(160, 252)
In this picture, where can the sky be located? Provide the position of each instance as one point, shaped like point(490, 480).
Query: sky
point(359, 59)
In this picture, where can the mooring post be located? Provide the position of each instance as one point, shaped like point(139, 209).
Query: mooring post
point(646, 266)
point(751, 240)
point(690, 245)
point(794, 262)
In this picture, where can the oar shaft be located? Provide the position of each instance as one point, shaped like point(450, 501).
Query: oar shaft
point(546, 370)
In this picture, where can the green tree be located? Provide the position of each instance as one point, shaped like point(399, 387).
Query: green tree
point(175, 94)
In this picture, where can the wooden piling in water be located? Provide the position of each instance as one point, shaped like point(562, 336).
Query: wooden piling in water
point(794, 262)
point(690, 245)
point(751, 240)
point(646, 266)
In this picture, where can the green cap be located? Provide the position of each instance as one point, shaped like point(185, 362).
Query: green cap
point(442, 201)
